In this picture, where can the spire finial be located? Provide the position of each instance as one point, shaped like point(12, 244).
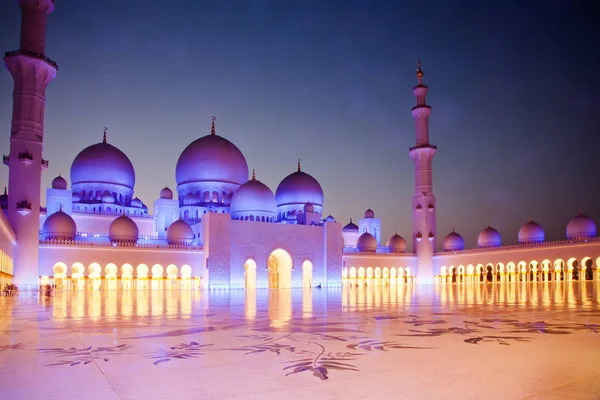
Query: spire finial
point(453, 228)
point(212, 129)
point(580, 210)
point(104, 138)
point(350, 219)
point(419, 72)
point(5, 190)
point(299, 164)
point(253, 174)
point(60, 207)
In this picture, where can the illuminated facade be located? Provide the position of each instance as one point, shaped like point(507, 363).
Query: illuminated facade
point(223, 229)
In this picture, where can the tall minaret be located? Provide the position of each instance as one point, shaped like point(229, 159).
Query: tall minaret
point(32, 71)
point(424, 208)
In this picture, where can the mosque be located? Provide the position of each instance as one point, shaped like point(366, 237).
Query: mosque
point(222, 228)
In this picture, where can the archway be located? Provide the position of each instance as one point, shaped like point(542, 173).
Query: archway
point(157, 276)
point(250, 274)
point(573, 265)
point(369, 276)
point(186, 277)
point(172, 276)
point(307, 268)
point(280, 269)
point(110, 274)
point(546, 274)
point(94, 278)
point(559, 269)
point(126, 276)
point(60, 273)
point(77, 279)
point(142, 276)
point(587, 271)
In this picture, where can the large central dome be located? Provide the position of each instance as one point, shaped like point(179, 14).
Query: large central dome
point(102, 163)
point(211, 158)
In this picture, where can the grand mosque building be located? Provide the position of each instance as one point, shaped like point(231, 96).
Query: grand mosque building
point(221, 227)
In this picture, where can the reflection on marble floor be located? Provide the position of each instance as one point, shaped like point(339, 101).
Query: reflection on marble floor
point(296, 339)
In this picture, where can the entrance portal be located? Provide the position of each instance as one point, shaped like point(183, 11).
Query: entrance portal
point(280, 270)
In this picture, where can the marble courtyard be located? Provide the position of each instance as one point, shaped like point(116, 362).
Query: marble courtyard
point(502, 341)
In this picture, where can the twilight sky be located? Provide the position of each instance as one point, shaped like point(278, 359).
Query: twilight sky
point(514, 88)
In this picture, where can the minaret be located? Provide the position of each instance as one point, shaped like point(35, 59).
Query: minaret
point(32, 71)
point(424, 234)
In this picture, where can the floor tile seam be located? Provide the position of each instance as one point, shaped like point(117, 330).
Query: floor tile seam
point(92, 358)
point(560, 387)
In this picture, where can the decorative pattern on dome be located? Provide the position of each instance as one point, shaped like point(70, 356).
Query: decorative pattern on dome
point(581, 226)
point(366, 243)
point(253, 199)
point(531, 232)
point(454, 242)
point(396, 244)
point(180, 233)
point(489, 237)
point(59, 226)
point(123, 230)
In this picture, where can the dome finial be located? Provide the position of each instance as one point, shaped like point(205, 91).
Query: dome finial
point(212, 129)
point(253, 174)
point(60, 207)
point(419, 72)
point(104, 138)
point(299, 165)
point(4, 190)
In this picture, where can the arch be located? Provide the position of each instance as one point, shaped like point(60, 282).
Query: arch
point(500, 268)
point(126, 271)
point(250, 274)
point(280, 269)
point(461, 269)
point(307, 269)
point(157, 271)
point(369, 272)
point(407, 271)
point(361, 272)
point(470, 269)
point(598, 263)
point(443, 270)
point(352, 272)
point(587, 265)
point(142, 271)
point(510, 267)
point(171, 271)
point(186, 271)
point(546, 265)
point(94, 270)
point(480, 268)
point(572, 263)
point(111, 270)
point(59, 270)
point(522, 266)
point(400, 272)
point(558, 264)
point(377, 272)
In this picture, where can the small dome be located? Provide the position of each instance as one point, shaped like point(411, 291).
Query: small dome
point(253, 196)
point(59, 183)
point(351, 226)
point(189, 199)
point(59, 225)
point(179, 232)
point(102, 163)
point(489, 237)
point(298, 188)
point(330, 218)
point(366, 243)
point(396, 244)
point(309, 208)
point(581, 226)
point(108, 198)
point(369, 213)
point(76, 197)
point(531, 232)
point(166, 193)
point(454, 242)
point(123, 230)
point(137, 203)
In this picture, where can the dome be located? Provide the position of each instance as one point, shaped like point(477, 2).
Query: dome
point(299, 188)
point(59, 183)
point(351, 226)
point(454, 242)
point(489, 237)
point(59, 225)
point(309, 208)
point(531, 232)
point(369, 213)
point(166, 193)
point(211, 158)
point(253, 196)
point(179, 232)
point(102, 163)
point(108, 198)
point(123, 229)
point(137, 203)
point(366, 242)
point(330, 218)
point(581, 226)
point(396, 244)
point(189, 199)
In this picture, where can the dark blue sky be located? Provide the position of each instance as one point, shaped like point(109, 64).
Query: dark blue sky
point(514, 88)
